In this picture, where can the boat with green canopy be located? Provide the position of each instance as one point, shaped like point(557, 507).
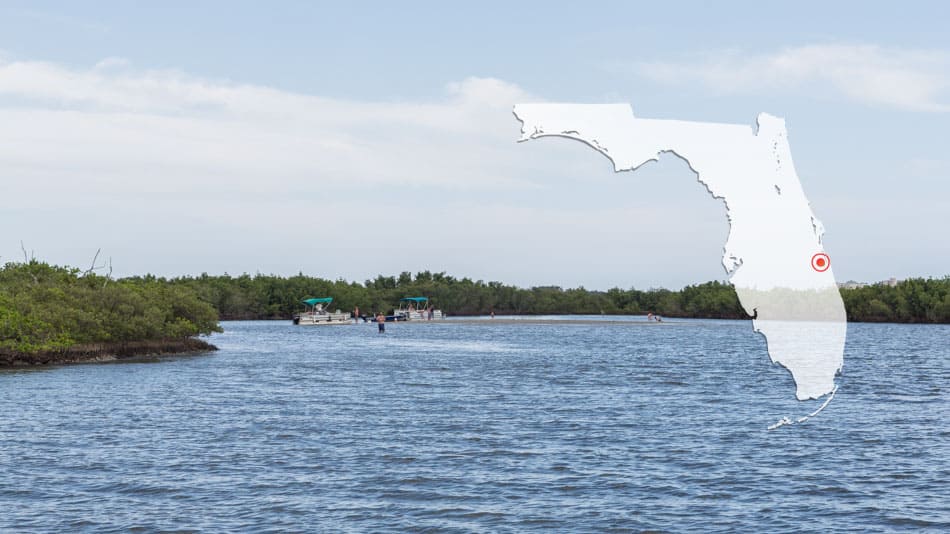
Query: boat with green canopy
point(318, 312)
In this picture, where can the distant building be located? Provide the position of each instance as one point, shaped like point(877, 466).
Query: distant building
point(851, 284)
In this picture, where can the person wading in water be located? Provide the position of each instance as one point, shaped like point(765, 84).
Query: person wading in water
point(381, 322)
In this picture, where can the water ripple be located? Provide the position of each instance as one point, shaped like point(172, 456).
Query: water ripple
point(500, 428)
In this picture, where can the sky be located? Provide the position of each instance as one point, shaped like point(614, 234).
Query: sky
point(345, 141)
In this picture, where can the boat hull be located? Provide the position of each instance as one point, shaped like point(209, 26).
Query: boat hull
point(322, 319)
point(419, 315)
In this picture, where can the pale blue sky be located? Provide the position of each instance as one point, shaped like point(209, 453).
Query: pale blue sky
point(865, 91)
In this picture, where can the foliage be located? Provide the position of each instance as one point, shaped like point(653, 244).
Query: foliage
point(50, 308)
point(916, 300)
point(274, 297)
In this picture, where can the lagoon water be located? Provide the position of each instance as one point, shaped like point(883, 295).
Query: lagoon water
point(474, 427)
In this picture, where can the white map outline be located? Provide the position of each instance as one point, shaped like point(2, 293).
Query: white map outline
point(773, 233)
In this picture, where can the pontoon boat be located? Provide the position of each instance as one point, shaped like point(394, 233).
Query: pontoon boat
point(317, 313)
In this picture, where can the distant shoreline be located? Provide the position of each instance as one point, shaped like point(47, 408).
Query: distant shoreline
point(533, 318)
point(104, 352)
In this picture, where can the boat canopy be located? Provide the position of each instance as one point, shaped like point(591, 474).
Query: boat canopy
point(415, 299)
point(314, 302)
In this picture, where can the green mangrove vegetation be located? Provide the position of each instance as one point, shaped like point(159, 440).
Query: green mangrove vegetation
point(915, 300)
point(49, 309)
point(46, 308)
point(275, 297)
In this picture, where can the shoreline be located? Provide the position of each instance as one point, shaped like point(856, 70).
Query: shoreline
point(517, 317)
point(105, 352)
point(481, 320)
point(538, 317)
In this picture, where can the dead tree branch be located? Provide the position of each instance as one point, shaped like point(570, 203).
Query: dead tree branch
point(93, 267)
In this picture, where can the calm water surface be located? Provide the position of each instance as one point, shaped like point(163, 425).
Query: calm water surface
point(455, 427)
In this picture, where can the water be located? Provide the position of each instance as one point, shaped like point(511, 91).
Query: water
point(504, 427)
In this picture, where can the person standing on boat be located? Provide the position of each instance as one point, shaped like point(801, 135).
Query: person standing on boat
point(381, 322)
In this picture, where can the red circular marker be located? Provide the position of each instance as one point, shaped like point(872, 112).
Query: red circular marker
point(820, 262)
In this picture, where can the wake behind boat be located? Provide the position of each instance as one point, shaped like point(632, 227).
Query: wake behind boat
point(317, 313)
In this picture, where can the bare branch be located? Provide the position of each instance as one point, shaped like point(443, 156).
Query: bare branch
point(94, 258)
point(26, 261)
point(93, 268)
point(109, 275)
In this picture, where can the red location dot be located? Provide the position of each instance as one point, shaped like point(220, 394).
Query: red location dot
point(820, 262)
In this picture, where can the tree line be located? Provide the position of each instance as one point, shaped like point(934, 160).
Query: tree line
point(915, 300)
point(274, 297)
point(45, 307)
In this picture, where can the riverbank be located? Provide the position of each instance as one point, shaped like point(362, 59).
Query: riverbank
point(103, 352)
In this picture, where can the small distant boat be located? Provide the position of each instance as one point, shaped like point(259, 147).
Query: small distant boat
point(416, 309)
point(317, 313)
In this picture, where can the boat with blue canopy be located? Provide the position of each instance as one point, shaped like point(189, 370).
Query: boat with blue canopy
point(318, 312)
